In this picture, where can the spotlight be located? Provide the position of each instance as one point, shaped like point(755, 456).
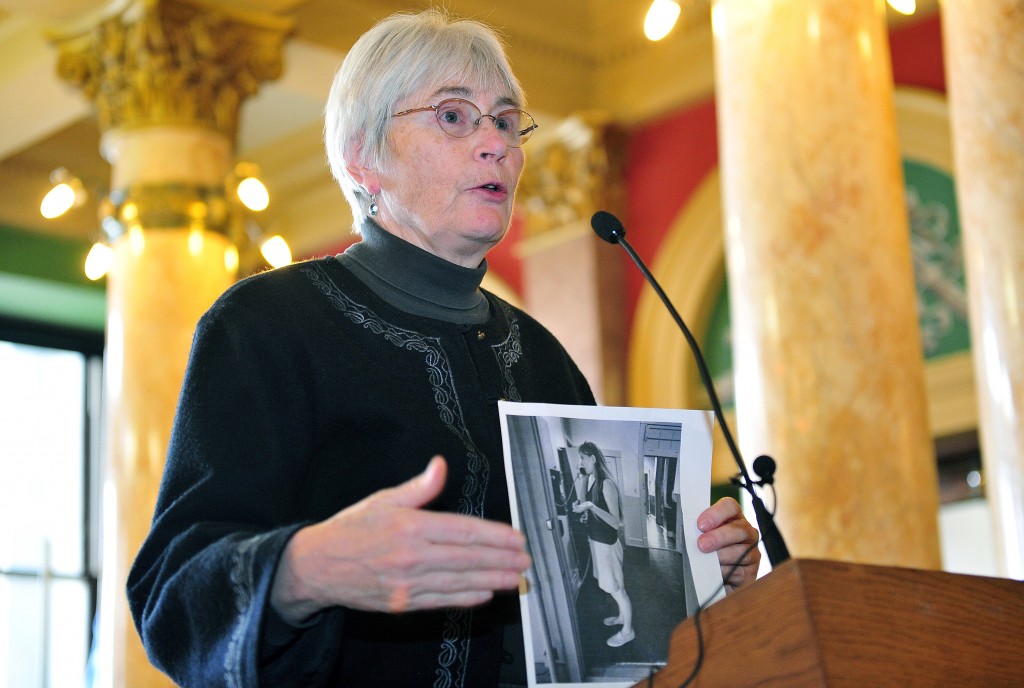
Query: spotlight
point(276, 251)
point(661, 17)
point(907, 7)
point(253, 194)
point(99, 260)
point(249, 189)
point(68, 192)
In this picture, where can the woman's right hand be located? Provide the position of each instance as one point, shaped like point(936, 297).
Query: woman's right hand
point(387, 554)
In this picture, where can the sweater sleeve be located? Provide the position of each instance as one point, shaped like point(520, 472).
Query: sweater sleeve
point(199, 588)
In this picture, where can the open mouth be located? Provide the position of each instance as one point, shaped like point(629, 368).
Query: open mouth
point(493, 187)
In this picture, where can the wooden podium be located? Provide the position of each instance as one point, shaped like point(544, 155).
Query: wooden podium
point(824, 623)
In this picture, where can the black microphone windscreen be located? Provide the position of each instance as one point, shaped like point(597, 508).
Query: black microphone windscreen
point(607, 226)
point(764, 468)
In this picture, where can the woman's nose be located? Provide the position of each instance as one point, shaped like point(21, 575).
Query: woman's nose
point(492, 140)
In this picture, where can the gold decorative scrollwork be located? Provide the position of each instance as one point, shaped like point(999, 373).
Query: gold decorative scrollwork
point(167, 206)
point(570, 173)
point(173, 62)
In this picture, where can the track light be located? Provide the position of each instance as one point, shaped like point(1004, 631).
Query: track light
point(661, 17)
point(129, 211)
point(907, 7)
point(68, 192)
point(249, 189)
point(99, 260)
point(276, 252)
point(253, 194)
point(273, 248)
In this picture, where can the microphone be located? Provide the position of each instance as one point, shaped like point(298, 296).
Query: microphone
point(610, 229)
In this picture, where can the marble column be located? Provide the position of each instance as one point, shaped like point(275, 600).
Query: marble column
point(573, 281)
point(167, 79)
point(984, 54)
point(828, 357)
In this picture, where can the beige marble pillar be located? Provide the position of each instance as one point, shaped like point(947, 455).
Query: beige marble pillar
point(573, 280)
point(167, 79)
point(984, 53)
point(828, 358)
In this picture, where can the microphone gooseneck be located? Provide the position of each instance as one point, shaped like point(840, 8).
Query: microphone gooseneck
point(610, 229)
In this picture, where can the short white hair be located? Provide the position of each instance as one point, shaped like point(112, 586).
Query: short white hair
point(396, 58)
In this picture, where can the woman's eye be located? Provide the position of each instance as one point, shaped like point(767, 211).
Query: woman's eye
point(450, 116)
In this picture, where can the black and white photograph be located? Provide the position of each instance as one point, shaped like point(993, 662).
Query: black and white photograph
point(607, 499)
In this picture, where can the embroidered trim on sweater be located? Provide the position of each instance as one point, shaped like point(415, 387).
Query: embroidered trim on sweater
point(455, 644)
point(509, 352)
point(243, 583)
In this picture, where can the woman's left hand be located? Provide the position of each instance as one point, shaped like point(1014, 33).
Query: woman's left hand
point(579, 507)
point(726, 531)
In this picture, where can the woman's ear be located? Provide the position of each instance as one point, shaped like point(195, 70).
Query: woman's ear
point(363, 174)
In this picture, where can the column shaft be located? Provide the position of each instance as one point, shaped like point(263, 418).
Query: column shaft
point(984, 52)
point(168, 78)
point(162, 280)
point(828, 359)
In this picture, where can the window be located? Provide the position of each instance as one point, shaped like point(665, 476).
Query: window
point(966, 529)
point(49, 402)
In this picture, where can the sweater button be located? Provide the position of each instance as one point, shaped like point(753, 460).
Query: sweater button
point(480, 335)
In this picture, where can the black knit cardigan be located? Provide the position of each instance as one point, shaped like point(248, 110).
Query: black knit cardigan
point(304, 393)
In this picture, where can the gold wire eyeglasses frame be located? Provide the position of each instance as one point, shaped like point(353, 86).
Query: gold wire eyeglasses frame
point(459, 118)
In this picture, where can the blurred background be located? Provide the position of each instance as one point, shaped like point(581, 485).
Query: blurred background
point(629, 122)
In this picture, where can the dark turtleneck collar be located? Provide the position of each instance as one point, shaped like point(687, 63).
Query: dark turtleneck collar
point(414, 280)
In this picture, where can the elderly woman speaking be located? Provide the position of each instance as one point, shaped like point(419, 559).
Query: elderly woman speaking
point(333, 510)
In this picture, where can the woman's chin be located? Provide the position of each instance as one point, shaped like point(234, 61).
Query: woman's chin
point(488, 233)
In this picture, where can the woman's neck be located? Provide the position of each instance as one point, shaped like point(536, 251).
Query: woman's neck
point(416, 281)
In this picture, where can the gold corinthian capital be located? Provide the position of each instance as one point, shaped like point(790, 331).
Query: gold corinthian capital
point(172, 62)
point(573, 169)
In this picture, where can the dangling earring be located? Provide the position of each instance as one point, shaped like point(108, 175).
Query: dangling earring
point(373, 209)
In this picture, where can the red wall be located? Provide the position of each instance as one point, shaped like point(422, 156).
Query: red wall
point(504, 260)
point(917, 55)
point(667, 159)
point(665, 163)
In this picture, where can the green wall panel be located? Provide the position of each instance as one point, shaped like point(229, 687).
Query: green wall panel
point(42, 279)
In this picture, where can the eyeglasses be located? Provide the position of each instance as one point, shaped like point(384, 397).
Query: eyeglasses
point(460, 118)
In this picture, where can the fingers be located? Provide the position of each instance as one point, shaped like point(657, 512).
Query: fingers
point(722, 511)
point(439, 528)
point(421, 490)
point(436, 542)
point(407, 571)
point(449, 576)
point(386, 553)
point(727, 532)
point(427, 527)
point(723, 524)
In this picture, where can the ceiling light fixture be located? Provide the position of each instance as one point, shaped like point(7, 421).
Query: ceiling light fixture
point(661, 17)
point(162, 206)
point(907, 7)
point(99, 260)
point(276, 252)
point(68, 192)
point(273, 248)
point(250, 190)
point(253, 194)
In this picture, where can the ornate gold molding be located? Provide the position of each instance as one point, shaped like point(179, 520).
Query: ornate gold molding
point(167, 206)
point(572, 170)
point(178, 62)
